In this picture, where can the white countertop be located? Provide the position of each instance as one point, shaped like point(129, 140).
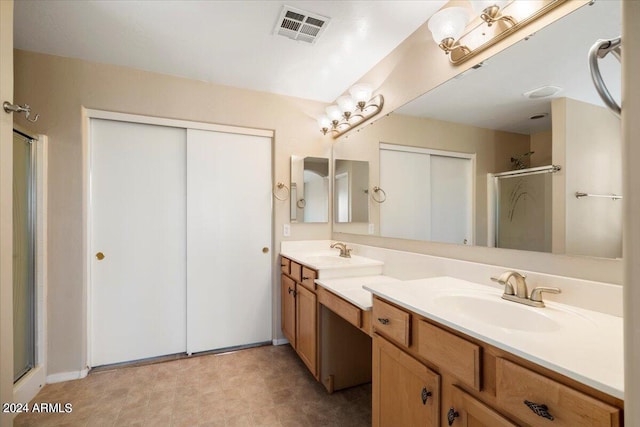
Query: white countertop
point(351, 288)
point(330, 265)
point(587, 346)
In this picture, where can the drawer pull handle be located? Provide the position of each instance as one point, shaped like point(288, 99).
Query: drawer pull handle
point(292, 291)
point(305, 278)
point(283, 265)
point(425, 395)
point(539, 410)
point(452, 415)
point(383, 321)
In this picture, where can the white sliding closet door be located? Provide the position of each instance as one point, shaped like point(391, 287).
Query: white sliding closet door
point(405, 177)
point(451, 200)
point(138, 222)
point(229, 224)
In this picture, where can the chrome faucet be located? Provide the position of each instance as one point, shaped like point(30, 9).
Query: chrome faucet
point(344, 251)
point(521, 294)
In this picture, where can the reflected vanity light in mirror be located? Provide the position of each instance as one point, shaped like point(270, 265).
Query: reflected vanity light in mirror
point(485, 114)
point(351, 111)
point(448, 26)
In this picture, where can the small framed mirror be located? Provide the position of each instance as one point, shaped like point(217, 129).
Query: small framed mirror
point(309, 189)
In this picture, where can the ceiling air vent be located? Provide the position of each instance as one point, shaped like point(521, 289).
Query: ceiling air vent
point(300, 25)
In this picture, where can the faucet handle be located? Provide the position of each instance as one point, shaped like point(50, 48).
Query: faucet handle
point(536, 293)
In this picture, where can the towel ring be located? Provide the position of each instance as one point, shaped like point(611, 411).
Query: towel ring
point(280, 186)
point(381, 198)
point(301, 203)
point(599, 50)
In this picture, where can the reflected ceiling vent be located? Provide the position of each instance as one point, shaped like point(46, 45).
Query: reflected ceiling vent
point(300, 25)
point(542, 92)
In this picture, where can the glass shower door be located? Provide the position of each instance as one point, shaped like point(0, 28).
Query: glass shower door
point(23, 257)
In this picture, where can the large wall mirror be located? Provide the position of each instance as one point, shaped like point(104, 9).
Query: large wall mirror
point(495, 156)
point(309, 189)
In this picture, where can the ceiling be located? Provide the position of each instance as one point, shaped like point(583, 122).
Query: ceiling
point(492, 96)
point(225, 42)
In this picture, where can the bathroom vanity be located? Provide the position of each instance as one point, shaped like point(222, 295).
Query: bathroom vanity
point(444, 366)
point(443, 351)
point(330, 334)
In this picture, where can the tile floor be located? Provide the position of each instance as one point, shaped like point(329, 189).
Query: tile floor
point(265, 386)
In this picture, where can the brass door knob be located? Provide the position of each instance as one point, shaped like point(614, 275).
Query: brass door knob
point(100, 256)
point(265, 250)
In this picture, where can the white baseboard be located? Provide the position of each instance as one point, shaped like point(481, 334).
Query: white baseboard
point(280, 341)
point(66, 376)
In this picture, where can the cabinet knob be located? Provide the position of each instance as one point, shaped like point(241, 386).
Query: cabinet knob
point(452, 415)
point(425, 395)
point(292, 291)
point(100, 256)
point(305, 278)
point(540, 410)
point(383, 321)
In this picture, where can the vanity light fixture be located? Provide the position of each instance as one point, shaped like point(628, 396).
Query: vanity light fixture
point(462, 34)
point(350, 111)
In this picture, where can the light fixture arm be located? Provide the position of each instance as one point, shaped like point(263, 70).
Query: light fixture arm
point(491, 14)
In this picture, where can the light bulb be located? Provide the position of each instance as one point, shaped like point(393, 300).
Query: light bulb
point(346, 104)
point(448, 23)
point(361, 92)
point(324, 123)
point(334, 113)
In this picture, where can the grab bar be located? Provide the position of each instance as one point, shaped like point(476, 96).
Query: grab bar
point(600, 49)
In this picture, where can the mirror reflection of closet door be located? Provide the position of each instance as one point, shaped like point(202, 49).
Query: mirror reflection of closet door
point(23, 256)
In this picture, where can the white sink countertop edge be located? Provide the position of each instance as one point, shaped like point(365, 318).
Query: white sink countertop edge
point(304, 258)
point(351, 289)
point(593, 356)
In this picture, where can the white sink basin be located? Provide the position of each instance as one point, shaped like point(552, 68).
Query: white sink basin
point(494, 311)
point(331, 265)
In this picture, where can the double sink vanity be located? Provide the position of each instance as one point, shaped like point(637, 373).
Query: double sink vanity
point(442, 351)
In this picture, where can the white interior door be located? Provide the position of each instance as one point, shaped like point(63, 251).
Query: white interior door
point(229, 296)
point(138, 221)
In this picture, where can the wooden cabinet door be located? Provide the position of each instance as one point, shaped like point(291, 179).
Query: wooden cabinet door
point(307, 321)
point(466, 411)
point(405, 392)
point(288, 287)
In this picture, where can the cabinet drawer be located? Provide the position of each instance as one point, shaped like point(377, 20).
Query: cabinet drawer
point(467, 411)
point(568, 407)
point(285, 265)
point(295, 271)
point(391, 322)
point(308, 278)
point(452, 353)
point(342, 308)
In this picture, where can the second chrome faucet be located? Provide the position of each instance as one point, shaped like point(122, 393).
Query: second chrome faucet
point(344, 251)
point(521, 294)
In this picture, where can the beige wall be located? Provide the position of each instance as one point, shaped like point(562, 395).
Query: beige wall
point(57, 88)
point(6, 209)
point(631, 151)
point(587, 144)
point(493, 150)
point(541, 147)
